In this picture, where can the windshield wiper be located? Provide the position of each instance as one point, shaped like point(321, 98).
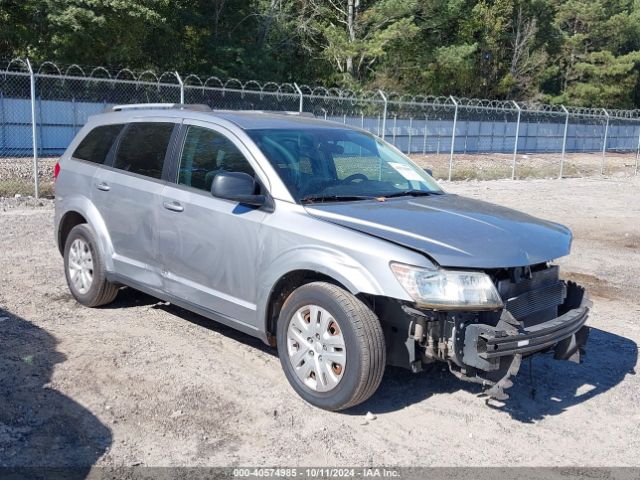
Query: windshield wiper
point(410, 193)
point(333, 198)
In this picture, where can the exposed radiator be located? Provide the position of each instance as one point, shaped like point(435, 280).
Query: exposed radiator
point(536, 298)
point(533, 301)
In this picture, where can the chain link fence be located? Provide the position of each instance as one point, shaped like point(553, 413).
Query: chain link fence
point(17, 165)
point(41, 109)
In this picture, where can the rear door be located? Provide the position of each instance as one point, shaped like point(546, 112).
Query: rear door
point(127, 193)
point(92, 152)
point(209, 246)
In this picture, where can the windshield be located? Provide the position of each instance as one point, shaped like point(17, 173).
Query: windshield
point(327, 164)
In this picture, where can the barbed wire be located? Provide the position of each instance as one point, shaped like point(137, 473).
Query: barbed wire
point(397, 101)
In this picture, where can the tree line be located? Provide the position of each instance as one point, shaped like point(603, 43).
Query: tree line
point(577, 52)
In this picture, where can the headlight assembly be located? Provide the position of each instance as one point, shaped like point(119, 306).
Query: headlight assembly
point(448, 289)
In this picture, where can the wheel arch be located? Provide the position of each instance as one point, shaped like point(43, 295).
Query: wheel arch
point(304, 264)
point(69, 220)
point(286, 285)
point(78, 210)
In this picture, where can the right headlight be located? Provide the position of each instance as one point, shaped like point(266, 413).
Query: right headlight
point(447, 289)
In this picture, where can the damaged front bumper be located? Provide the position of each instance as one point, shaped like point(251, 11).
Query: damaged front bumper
point(483, 344)
point(541, 313)
point(491, 355)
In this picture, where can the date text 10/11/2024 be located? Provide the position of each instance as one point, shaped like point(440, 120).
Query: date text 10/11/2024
point(316, 472)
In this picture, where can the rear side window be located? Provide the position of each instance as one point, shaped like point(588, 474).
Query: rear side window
point(143, 148)
point(96, 145)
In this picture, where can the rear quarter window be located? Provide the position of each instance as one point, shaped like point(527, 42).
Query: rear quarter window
point(96, 145)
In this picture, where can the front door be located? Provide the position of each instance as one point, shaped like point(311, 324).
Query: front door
point(209, 247)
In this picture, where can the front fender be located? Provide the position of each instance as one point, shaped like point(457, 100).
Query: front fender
point(83, 206)
point(328, 261)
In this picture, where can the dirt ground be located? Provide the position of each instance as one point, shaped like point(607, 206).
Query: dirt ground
point(145, 383)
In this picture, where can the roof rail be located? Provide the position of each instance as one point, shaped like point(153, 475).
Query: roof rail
point(179, 106)
point(279, 112)
point(299, 114)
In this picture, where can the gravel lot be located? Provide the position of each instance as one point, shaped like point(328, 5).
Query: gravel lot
point(493, 166)
point(145, 383)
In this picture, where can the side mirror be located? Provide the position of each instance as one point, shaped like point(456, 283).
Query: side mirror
point(238, 187)
point(429, 171)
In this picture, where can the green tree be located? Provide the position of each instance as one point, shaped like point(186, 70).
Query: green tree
point(355, 35)
point(599, 59)
point(107, 32)
point(580, 52)
point(511, 53)
point(22, 26)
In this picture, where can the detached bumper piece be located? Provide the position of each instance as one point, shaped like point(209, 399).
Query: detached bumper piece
point(490, 355)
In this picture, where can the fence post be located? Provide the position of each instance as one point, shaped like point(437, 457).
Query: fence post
point(453, 135)
point(301, 104)
point(40, 125)
point(34, 133)
point(637, 155)
point(181, 83)
point(515, 143)
point(3, 128)
point(466, 139)
point(564, 139)
point(410, 134)
point(395, 121)
point(75, 114)
point(384, 112)
point(424, 140)
point(604, 143)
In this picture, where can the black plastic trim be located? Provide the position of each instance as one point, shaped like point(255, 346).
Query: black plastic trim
point(538, 337)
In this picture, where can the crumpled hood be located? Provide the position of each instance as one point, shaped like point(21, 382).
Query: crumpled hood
point(454, 231)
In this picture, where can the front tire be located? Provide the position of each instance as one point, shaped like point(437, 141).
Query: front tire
point(85, 270)
point(331, 346)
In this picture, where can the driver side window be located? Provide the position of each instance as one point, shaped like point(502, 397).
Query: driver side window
point(205, 153)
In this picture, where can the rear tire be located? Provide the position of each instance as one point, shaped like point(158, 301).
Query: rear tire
point(85, 270)
point(331, 346)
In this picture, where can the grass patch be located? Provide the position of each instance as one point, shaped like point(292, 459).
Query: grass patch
point(16, 186)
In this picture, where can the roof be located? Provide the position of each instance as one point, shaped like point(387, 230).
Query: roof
point(244, 119)
point(269, 120)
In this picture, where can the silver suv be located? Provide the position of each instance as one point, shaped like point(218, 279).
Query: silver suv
point(318, 238)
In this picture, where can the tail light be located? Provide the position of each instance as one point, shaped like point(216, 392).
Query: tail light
point(56, 171)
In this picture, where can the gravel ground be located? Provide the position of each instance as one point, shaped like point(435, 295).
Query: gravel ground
point(145, 383)
point(492, 166)
point(16, 176)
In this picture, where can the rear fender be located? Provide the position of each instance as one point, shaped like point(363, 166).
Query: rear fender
point(83, 206)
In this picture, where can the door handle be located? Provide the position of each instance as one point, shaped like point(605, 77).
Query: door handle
point(103, 186)
point(173, 206)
